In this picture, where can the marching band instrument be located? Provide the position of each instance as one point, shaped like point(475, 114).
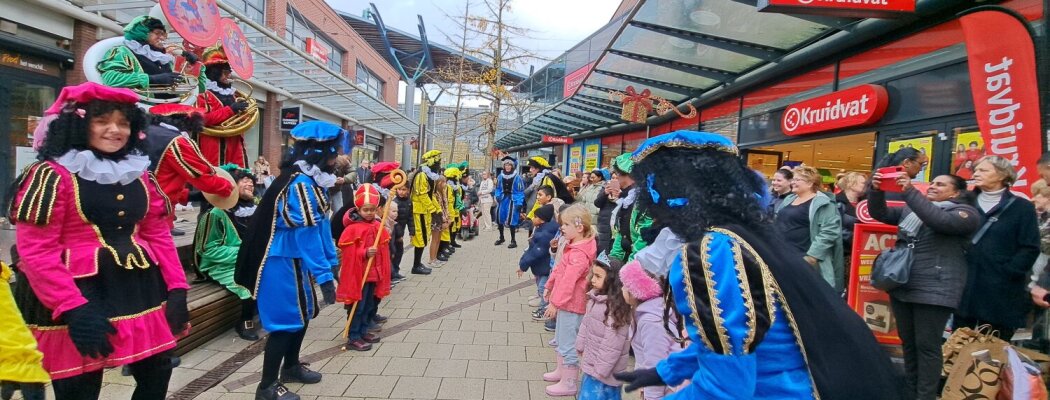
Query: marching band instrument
point(184, 92)
point(240, 122)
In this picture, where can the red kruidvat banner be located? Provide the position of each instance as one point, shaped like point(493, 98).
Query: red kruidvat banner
point(574, 79)
point(1005, 90)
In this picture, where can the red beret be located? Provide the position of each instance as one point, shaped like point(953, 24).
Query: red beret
point(171, 109)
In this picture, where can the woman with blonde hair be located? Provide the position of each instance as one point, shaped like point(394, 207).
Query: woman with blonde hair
point(852, 190)
point(809, 221)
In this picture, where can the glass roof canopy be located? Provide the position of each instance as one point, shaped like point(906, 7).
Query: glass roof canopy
point(678, 49)
point(286, 70)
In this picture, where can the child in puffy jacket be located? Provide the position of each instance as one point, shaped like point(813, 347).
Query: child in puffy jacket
point(651, 342)
point(566, 291)
point(538, 256)
point(604, 339)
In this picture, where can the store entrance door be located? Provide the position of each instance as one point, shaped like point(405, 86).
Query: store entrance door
point(23, 99)
point(940, 142)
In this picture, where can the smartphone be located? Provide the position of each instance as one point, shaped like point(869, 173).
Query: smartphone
point(888, 183)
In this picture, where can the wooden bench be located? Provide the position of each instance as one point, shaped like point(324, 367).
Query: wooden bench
point(213, 309)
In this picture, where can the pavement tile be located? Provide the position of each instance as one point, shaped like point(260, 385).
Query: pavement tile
point(540, 354)
point(372, 386)
point(456, 337)
point(476, 326)
point(406, 366)
point(506, 390)
point(450, 325)
point(491, 338)
point(507, 353)
point(462, 389)
point(395, 349)
point(470, 352)
point(438, 351)
point(415, 387)
point(527, 370)
point(423, 336)
point(506, 326)
point(447, 368)
point(366, 365)
point(331, 385)
point(525, 339)
point(487, 369)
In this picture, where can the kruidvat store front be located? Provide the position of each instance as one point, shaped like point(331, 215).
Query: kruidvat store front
point(911, 92)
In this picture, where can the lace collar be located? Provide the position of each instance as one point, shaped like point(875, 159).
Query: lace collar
point(87, 165)
point(504, 175)
point(245, 211)
point(323, 179)
point(214, 86)
point(150, 54)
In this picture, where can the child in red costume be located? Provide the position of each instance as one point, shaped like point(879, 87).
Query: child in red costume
point(357, 245)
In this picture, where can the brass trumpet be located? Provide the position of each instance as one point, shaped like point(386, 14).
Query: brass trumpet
point(240, 122)
point(183, 91)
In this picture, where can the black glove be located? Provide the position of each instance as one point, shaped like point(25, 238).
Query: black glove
point(328, 292)
point(190, 57)
point(30, 391)
point(239, 106)
point(176, 312)
point(89, 328)
point(640, 378)
point(163, 78)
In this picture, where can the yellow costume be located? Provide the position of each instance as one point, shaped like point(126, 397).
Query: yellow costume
point(455, 199)
point(423, 203)
point(20, 361)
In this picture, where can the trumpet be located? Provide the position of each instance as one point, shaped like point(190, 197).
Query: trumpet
point(240, 122)
point(184, 91)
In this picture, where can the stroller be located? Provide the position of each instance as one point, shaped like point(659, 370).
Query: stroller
point(470, 223)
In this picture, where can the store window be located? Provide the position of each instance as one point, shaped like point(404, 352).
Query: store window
point(369, 81)
point(21, 105)
point(297, 30)
point(612, 146)
point(253, 9)
point(967, 149)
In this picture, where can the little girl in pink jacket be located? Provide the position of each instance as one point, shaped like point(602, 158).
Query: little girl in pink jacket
point(566, 291)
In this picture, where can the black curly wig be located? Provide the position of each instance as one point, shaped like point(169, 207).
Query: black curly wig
point(214, 73)
point(192, 124)
point(719, 187)
point(313, 152)
point(70, 131)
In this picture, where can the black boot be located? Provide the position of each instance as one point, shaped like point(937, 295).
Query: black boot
point(419, 269)
point(299, 373)
point(500, 241)
point(513, 239)
point(454, 244)
point(276, 391)
point(246, 330)
point(513, 244)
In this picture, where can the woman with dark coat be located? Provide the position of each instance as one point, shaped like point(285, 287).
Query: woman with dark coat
point(939, 225)
point(1002, 252)
point(605, 205)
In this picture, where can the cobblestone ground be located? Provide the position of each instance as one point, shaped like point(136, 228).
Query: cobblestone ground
point(490, 350)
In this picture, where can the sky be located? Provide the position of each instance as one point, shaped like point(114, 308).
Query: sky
point(556, 25)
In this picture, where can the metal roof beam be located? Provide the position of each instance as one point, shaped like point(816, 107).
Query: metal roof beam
point(600, 106)
point(706, 72)
point(755, 50)
point(670, 87)
point(591, 109)
point(563, 127)
point(552, 127)
point(600, 100)
point(581, 117)
point(575, 124)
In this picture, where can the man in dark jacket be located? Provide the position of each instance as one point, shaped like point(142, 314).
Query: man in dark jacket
point(605, 204)
point(538, 256)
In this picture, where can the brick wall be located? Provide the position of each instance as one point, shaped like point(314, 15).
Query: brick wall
point(271, 134)
point(84, 35)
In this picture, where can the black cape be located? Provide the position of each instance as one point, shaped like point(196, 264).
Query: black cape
point(258, 233)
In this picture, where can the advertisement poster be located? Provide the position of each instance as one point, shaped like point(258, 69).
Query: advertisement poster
point(924, 145)
point(575, 157)
point(969, 147)
point(872, 304)
point(593, 152)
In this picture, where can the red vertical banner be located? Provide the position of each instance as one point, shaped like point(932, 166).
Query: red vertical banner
point(873, 305)
point(1005, 89)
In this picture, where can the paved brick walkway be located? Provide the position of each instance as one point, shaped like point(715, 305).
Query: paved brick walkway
point(491, 350)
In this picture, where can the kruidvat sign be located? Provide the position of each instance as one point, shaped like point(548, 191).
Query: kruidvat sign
point(574, 79)
point(850, 108)
point(840, 8)
point(556, 139)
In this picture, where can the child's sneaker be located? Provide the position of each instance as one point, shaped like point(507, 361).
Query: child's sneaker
point(538, 314)
point(553, 342)
point(549, 326)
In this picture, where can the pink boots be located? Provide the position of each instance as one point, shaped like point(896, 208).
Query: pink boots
point(555, 375)
point(567, 385)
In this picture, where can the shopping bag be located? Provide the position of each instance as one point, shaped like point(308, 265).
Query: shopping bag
point(962, 337)
point(975, 375)
point(1020, 378)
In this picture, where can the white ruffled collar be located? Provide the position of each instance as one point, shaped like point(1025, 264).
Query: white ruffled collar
point(214, 86)
point(87, 165)
point(148, 52)
point(244, 212)
point(323, 179)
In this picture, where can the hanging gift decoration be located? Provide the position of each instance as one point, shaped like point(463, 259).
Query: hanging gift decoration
point(636, 106)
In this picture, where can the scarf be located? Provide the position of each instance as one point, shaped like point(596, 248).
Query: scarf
point(146, 51)
point(214, 87)
point(86, 165)
point(323, 179)
point(911, 224)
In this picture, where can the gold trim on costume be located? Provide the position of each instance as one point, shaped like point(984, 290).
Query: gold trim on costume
point(692, 295)
point(712, 293)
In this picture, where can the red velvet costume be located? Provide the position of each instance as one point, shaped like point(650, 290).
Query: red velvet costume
point(357, 238)
point(219, 150)
point(177, 160)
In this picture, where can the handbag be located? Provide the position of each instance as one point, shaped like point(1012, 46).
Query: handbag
point(892, 267)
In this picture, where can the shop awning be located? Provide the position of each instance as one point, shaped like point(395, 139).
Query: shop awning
point(284, 69)
point(678, 50)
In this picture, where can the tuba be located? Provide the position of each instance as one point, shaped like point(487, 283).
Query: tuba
point(182, 92)
point(240, 122)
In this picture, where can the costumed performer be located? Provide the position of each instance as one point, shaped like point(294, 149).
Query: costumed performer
point(220, 104)
point(288, 247)
point(455, 206)
point(21, 367)
point(175, 158)
point(143, 59)
point(362, 225)
point(100, 283)
point(218, 240)
point(509, 193)
point(424, 206)
point(761, 323)
point(542, 176)
point(627, 223)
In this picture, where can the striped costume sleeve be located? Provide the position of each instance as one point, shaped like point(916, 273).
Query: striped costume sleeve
point(37, 189)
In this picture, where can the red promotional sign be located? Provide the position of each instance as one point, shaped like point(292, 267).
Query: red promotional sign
point(1005, 91)
point(359, 138)
point(317, 50)
point(556, 139)
point(237, 49)
point(574, 79)
point(872, 304)
point(840, 8)
point(850, 108)
point(197, 21)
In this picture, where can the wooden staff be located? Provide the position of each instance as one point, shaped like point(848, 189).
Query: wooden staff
point(400, 179)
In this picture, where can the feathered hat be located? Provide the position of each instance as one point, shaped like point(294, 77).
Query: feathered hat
point(539, 162)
